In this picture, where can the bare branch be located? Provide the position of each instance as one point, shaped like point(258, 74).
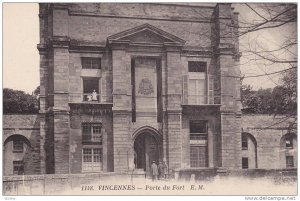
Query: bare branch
point(274, 60)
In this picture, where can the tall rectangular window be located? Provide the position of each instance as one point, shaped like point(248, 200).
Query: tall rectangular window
point(91, 159)
point(92, 147)
point(90, 63)
point(198, 130)
point(245, 163)
point(18, 146)
point(198, 143)
point(197, 86)
point(289, 161)
point(91, 133)
point(18, 167)
point(198, 156)
point(91, 89)
point(197, 66)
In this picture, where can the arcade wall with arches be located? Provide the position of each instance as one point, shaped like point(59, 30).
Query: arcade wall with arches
point(21, 144)
point(266, 143)
point(269, 142)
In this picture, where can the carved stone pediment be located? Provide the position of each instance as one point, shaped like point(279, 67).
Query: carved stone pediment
point(146, 34)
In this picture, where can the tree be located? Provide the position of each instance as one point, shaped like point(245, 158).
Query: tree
point(36, 92)
point(18, 102)
point(285, 95)
point(256, 102)
point(282, 100)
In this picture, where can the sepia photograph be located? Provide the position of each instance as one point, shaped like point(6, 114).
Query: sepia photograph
point(150, 98)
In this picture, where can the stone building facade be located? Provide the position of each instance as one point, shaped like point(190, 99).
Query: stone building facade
point(122, 85)
point(157, 69)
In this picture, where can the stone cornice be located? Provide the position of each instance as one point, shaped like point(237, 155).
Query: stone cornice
point(124, 45)
point(178, 19)
point(43, 15)
point(121, 111)
point(119, 44)
point(173, 47)
point(42, 48)
point(60, 6)
point(95, 47)
point(81, 108)
point(60, 42)
point(175, 111)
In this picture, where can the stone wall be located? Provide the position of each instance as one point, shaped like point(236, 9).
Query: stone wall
point(77, 117)
point(90, 21)
point(212, 116)
point(269, 133)
point(62, 184)
point(28, 128)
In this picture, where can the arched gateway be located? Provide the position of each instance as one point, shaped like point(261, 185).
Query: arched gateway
point(147, 148)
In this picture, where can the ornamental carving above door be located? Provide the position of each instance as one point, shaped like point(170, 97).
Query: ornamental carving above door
point(145, 87)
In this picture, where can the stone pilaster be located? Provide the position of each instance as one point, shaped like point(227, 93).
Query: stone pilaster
point(228, 69)
point(43, 103)
point(174, 91)
point(123, 148)
point(61, 142)
point(60, 103)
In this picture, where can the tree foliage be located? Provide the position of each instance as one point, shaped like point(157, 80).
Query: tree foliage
point(281, 100)
point(18, 102)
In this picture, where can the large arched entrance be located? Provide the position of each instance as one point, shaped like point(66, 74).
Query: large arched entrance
point(147, 145)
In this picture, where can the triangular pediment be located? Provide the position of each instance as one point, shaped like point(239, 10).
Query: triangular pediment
point(146, 33)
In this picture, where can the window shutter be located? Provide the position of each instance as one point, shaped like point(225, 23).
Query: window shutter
point(185, 90)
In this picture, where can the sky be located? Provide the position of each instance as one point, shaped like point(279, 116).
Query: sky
point(20, 39)
point(21, 58)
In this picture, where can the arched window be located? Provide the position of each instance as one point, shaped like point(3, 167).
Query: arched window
point(18, 146)
point(289, 142)
point(249, 147)
point(17, 149)
point(288, 154)
point(18, 142)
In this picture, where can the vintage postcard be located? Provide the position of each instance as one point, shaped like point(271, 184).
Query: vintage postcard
point(150, 99)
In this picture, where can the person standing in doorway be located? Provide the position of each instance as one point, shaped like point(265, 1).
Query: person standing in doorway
point(161, 173)
point(154, 171)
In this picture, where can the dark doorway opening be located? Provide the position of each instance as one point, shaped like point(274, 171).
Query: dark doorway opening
point(146, 150)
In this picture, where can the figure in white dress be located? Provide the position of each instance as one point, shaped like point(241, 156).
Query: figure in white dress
point(94, 95)
point(89, 97)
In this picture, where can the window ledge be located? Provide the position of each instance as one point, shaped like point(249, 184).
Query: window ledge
point(202, 105)
point(91, 103)
point(17, 151)
point(90, 73)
